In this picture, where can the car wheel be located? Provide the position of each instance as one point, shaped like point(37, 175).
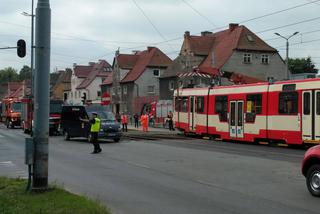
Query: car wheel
point(66, 135)
point(313, 180)
point(116, 140)
point(24, 128)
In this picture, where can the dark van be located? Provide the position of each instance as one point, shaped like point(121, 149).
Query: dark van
point(73, 127)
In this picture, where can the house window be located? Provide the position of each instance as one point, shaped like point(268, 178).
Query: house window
point(65, 96)
point(171, 85)
point(156, 72)
point(71, 95)
point(221, 108)
point(99, 93)
point(124, 89)
point(265, 59)
point(288, 103)
point(247, 58)
point(76, 94)
point(151, 89)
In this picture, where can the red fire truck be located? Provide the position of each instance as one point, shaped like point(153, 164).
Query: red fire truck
point(11, 112)
point(27, 115)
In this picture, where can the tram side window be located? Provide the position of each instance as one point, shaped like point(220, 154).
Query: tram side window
point(254, 107)
point(221, 107)
point(184, 106)
point(288, 103)
point(306, 103)
point(177, 104)
point(200, 104)
point(318, 103)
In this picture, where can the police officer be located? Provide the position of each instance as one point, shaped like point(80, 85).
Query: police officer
point(94, 130)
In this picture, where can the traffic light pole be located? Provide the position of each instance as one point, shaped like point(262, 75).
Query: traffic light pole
point(41, 94)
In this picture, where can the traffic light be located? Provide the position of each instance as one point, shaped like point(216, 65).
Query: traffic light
point(21, 48)
point(84, 98)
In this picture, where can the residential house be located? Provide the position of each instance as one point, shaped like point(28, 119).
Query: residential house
point(59, 91)
point(232, 56)
point(86, 80)
point(136, 79)
point(18, 89)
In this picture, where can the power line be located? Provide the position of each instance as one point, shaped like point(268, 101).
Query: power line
point(288, 25)
point(149, 20)
point(198, 12)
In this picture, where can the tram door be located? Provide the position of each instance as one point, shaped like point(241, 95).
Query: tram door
point(192, 124)
point(311, 115)
point(236, 119)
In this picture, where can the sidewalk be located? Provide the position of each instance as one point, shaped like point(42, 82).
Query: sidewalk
point(152, 132)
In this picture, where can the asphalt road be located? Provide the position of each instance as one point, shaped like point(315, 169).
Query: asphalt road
point(173, 176)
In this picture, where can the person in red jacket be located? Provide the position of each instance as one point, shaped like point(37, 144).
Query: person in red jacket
point(124, 121)
point(144, 122)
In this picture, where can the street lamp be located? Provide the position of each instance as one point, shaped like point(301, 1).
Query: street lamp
point(32, 45)
point(287, 50)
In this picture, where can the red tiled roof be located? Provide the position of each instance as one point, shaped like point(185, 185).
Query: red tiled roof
point(237, 78)
point(82, 71)
point(150, 57)
point(98, 70)
point(127, 61)
point(223, 43)
point(108, 80)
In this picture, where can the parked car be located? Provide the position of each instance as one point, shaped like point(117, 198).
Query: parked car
point(311, 170)
point(71, 125)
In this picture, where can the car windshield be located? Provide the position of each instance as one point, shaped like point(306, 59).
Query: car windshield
point(17, 107)
point(55, 108)
point(106, 116)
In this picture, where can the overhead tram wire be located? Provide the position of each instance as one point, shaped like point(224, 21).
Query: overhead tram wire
point(177, 38)
point(198, 12)
point(288, 25)
point(149, 20)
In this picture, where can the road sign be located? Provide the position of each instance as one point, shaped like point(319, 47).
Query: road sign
point(105, 99)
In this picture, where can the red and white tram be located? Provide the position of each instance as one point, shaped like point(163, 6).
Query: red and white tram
point(285, 111)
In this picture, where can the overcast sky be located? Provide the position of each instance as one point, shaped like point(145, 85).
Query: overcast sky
point(88, 30)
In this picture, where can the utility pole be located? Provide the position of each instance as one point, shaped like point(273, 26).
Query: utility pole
point(32, 44)
point(41, 101)
point(287, 51)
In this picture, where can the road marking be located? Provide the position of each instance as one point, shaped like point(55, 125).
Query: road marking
point(7, 163)
point(138, 165)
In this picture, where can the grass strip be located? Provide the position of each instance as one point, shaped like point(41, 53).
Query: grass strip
point(14, 199)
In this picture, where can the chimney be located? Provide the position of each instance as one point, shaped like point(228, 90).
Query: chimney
point(233, 26)
point(135, 52)
point(74, 65)
point(150, 48)
point(186, 34)
point(206, 33)
point(91, 63)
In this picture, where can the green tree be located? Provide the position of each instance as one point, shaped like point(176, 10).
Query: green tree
point(8, 75)
point(25, 73)
point(302, 65)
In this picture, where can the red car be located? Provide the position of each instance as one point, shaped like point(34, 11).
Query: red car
point(311, 170)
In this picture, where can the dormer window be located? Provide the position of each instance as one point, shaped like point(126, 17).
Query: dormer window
point(250, 38)
point(247, 58)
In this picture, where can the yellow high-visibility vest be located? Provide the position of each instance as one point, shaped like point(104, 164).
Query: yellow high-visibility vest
point(96, 126)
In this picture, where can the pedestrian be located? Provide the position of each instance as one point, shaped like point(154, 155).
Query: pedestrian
point(136, 120)
point(124, 121)
point(144, 122)
point(170, 118)
point(94, 131)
